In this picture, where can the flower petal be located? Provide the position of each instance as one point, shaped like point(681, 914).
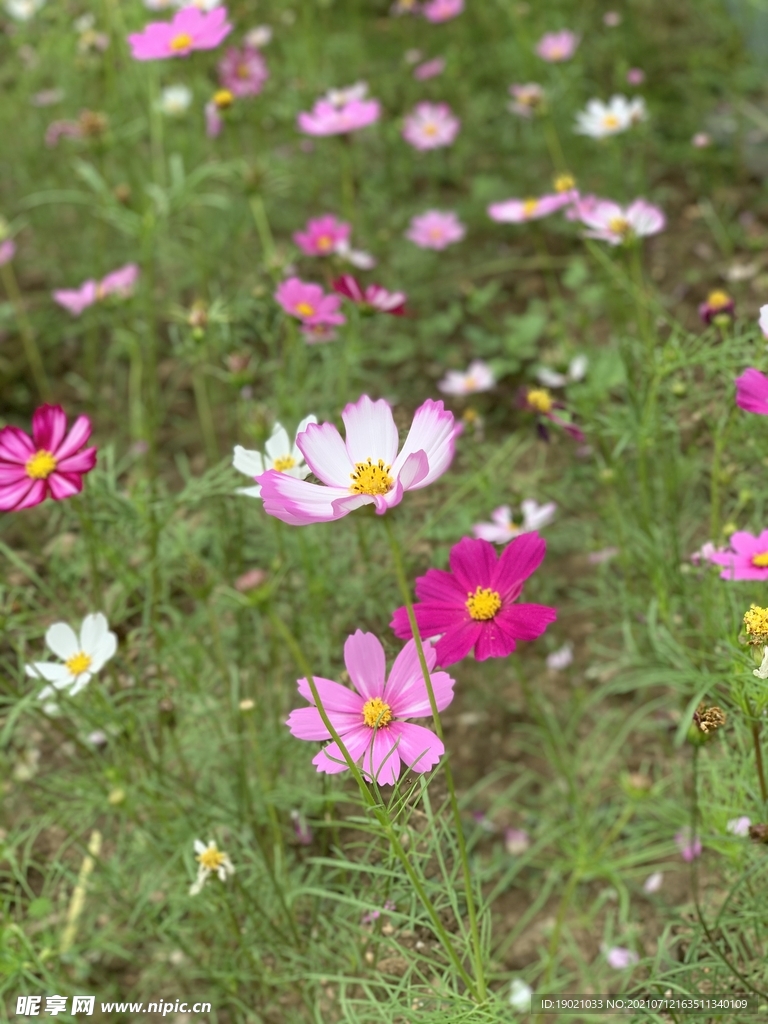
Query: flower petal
point(62, 640)
point(473, 563)
point(49, 424)
point(381, 761)
point(335, 697)
point(433, 432)
point(371, 431)
point(299, 502)
point(457, 643)
point(364, 658)
point(417, 746)
point(75, 439)
point(330, 759)
point(15, 445)
point(326, 454)
point(246, 461)
point(526, 621)
point(64, 485)
point(519, 559)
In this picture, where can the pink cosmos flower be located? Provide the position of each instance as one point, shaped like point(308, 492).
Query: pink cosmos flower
point(243, 71)
point(46, 464)
point(429, 69)
point(366, 469)
point(701, 140)
point(611, 19)
point(430, 126)
point(370, 721)
point(582, 206)
point(479, 377)
point(526, 99)
point(473, 605)
point(748, 559)
point(541, 402)
point(120, 282)
point(688, 844)
point(516, 841)
point(752, 391)
point(327, 118)
point(7, 251)
point(322, 236)
point(373, 298)
point(557, 46)
point(190, 29)
point(442, 10)
point(308, 302)
point(702, 555)
point(620, 958)
point(739, 826)
point(635, 76)
point(214, 122)
point(301, 829)
point(618, 225)
point(516, 211)
point(435, 229)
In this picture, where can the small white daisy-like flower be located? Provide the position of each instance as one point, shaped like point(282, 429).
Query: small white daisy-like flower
point(280, 455)
point(577, 370)
point(258, 37)
point(504, 528)
point(478, 377)
point(349, 94)
point(175, 99)
point(600, 119)
point(210, 860)
point(83, 656)
point(23, 10)
point(358, 258)
point(520, 993)
point(561, 658)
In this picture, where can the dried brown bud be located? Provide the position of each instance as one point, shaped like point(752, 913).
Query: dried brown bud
point(92, 124)
point(759, 833)
point(709, 719)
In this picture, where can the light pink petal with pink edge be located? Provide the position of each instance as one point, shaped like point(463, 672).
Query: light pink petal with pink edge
point(382, 761)
point(473, 562)
point(519, 559)
point(744, 543)
point(297, 501)
point(75, 300)
point(364, 658)
point(432, 431)
point(49, 424)
point(330, 759)
point(326, 454)
point(417, 746)
point(15, 445)
point(120, 280)
point(371, 430)
point(13, 496)
point(78, 434)
point(64, 485)
point(334, 696)
point(82, 462)
point(307, 723)
point(415, 469)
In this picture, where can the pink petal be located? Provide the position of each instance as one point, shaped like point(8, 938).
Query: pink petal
point(406, 691)
point(299, 502)
point(334, 696)
point(12, 473)
point(364, 658)
point(15, 445)
point(371, 431)
point(49, 424)
point(75, 439)
point(494, 641)
point(307, 724)
point(473, 563)
point(433, 432)
point(526, 621)
point(83, 462)
point(519, 559)
point(382, 761)
point(415, 469)
point(64, 485)
point(457, 643)
point(417, 747)
point(746, 544)
point(441, 587)
point(12, 495)
point(329, 757)
point(326, 454)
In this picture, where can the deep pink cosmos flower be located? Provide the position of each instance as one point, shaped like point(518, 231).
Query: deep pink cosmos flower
point(7, 251)
point(190, 29)
point(748, 559)
point(618, 225)
point(308, 302)
point(557, 46)
point(120, 282)
point(370, 721)
point(473, 605)
point(435, 229)
point(243, 71)
point(541, 402)
point(372, 299)
point(327, 118)
point(516, 211)
point(366, 469)
point(431, 126)
point(719, 308)
point(429, 69)
point(442, 10)
point(322, 236)
point(752, 392)
point(48, 463)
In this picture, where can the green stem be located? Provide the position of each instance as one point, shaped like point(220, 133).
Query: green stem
point(86, 525)
point(31, 351)
point(263, 228)
point(205, 415)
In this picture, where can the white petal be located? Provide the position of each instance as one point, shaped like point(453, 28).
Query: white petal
point(252, 492)
point(278, 444)
point(62, 640)
point(248, 462)
point(92, 632)
point(200, 847)
point(104, 651)
point(58, 674)
point(80, 683)
point(371, 430)
point(578, 367)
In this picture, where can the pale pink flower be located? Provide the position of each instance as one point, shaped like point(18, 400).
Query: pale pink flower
point(635, 76)
point(701, 140)
point(62, 130)
point(503, 527)
point(326, 118)
point(620, 958)
point(47, 97)
point(347, 94)
point(618, 225)
point(435, 229)
point(316, 334)
point(214, 122)
point(516, 211)
point(366, 469)
point(705, 551)
point(371, 718)
point(442, 10)
point(582, 206)
point(243, 71)
point(190, 29)
point(752, 387)
point(612, 19)
point(258, 37)
point(653, 882)
point(560, 659)
point(373, 298)
point(557, 46)
point(250, 580)
point(739, 826)
point(602, 556)
point(321, 236)
point(430, 126)
point(120, 283)
point(7, 251)
point(688, 844)
point(478, 377)
point(526, 99)
point(429, 69)
point(516, 841)
point(308, 302)
point(301, 829)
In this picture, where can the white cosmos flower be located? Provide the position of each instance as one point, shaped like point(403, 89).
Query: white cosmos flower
point(350, 93)
point(210, 860)
point(83, 656)
point(577, 370)
point(520, 996)
point(358, 258)
point(602, 119)
point(503, 528)
point(23, 10)
point(762, 672)
point(478, 377)
point(258, 37)
point(175, 99)
point(280, 455)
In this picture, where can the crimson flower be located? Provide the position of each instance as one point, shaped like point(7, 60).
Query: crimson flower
point(372, 299)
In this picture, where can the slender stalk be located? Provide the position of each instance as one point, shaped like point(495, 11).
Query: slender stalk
point(466, 872)
point(204, 414)
point(86, 525)
point(262, 226)
point(31, 351)
point(757, 727)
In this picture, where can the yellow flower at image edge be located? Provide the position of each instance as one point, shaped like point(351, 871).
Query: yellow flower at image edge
point(210, 860)
point(756, 624)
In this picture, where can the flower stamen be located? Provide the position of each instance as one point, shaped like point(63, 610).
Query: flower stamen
point(211, 858)
point(181, 42)
point(540, 400)
point(79, 663)
point(284, 463)
point(371, 478)
point(376, 712)
point(41, 465)
point(760, 560)
point(483, 604)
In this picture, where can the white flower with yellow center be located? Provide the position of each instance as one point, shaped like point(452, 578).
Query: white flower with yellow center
point(82, 656)
point(600, 119)
point(210, 860)
point(280, 454)
point(23, 10)
point(175, 100)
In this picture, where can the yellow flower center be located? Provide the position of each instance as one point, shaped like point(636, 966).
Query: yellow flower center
point(242, 71)
point(564, 182)
point(760, 560)
point(619, 226)
point(304, 309)
point(540, 400)
point(181, 42)
point(324, 243)
point(79, 663)
point(371, 478)
point(718, 299)
point(211, 859)
point(41, 465)
point(430, 128)
point(610, 121)
point(483, 604)
point(756, 621)
point(284, 462)
point(529, 207)
point(223, 98)
point(376, 713)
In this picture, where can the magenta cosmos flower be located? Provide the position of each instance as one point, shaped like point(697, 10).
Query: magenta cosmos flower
point(366, 469)
point(190, 29)
point(748, 559)
point(557, 46)
point(435, 229)
point(322, 236)
point(370, 721)
point(243, 71)
point(618, 225)
point(516, 211)
point(327, 118)
point(752, 392)
point(442, 10)
point(373, 298)
point(120, 282)
point(48, 463)
point(719, 308)
point(473, 605)
point(309, 303)
point(431, 126)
